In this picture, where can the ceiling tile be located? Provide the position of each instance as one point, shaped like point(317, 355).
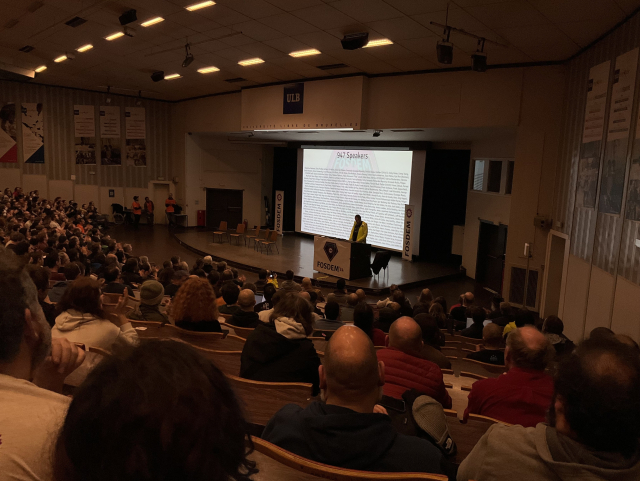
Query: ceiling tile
point(320, 40)
point(515, 13)
point(251, 8)
point(400, 28)
point(388, 52)
point(223, 15)
point(258, 31)
point(577, 10)
point(287, 44)
point(413, 7)
point(366, 10)
point(457, 18)
point(288, 24)
point(628, 5)
point(539, 42)
point(324, 17)
point(585, 32)
point(290, 5)
point(258, 49)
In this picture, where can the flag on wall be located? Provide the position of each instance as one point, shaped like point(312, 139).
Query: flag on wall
point(111, 150)
point(33, 133)
point(8, 138)
point(135, 134)
point(84, 121)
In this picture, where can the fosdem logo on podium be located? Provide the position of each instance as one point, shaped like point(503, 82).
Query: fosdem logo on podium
point(409, 212)
point(331, 249)
point(279, 197)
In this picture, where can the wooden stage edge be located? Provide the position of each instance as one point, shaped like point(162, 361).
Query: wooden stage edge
point(296, 253)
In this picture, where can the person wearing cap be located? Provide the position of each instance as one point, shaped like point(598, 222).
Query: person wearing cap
point(177, 280)
point(151, 294)
point(349, 429)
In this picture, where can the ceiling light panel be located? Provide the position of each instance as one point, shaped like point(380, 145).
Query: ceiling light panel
point(305, 53)
point(208, 69)
point(113, 36)
point(84, 48)
point(378, 43)
point(61, 58)
point(41, 68)
point(250, 61)
point(172, 76)
point(198, 6)
point(152, 21)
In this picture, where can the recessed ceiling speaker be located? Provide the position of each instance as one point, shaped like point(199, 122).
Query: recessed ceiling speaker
point(188, 60)
point(444, 50)
point(479, 62)
point(157, 76)
point(354, 41)
point(128, 17)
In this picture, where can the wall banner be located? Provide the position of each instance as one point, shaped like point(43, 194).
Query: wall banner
point(8, 136)
point(279, 211)
point(111, 146)
point(592, 134)
point(84, 122)
point(293, 99)
point(32, 133)
point(407, 247)
point(135, 134)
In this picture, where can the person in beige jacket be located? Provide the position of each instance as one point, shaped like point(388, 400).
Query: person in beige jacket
point(593, 431)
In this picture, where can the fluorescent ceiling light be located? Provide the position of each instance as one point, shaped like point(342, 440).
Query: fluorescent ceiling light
point(172, 76)
point(302, 130)
point(251, 61)
point(208, 69)
point(41, 68)
point(84, 48)
point(113, 36)
point(198, 6)
point(153, 21)
point(61, 58)
point(305, 53)
point(378, 43)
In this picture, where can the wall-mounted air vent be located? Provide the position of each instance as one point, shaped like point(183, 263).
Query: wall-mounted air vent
point(333, 66)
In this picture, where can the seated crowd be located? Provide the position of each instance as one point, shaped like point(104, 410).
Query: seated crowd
point(158, 409)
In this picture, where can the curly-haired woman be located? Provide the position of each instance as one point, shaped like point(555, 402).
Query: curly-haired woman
point(194, 307)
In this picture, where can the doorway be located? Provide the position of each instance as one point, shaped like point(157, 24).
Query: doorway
point(224, 205)
point(492, 246)
point(554, 274)
point(160, 194)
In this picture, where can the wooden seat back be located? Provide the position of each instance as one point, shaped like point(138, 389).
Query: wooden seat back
point(239, 229)
point(154, 330)
point(320, 343)
point(277, 463)
point(227, 361)
point(477, 367)
point(466, 435)
point(261, 400)
point(208, 340)
point(273, 237)
point(242, 332)
point(223, 226)
point(227, 317)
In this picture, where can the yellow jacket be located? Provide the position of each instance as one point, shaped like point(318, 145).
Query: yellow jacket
point(362, 232)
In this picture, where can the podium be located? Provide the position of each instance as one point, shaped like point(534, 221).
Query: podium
point(341, 258)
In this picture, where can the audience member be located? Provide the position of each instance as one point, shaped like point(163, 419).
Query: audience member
point(521, 317)
point(151, 295)
point(269, 291)
point(387, 316)
point(289, 285)
point(362, 296)
point(432, 338)
point(262, 280)
point(459, 311)
point(246, 316)
point(425, 299)
point(552, 329)
point(494, 311)
point(71, 272)
point(160, 411)
point(405, 369)
point(82, 319)
point(628, 340)
point(522, 395)
point(333, 317)
point(442, 301)
point(177, 279)
point(347, 430)
point(40, 277)
point(506, 315)
point(111, 284)
point(399, 298)
point(492, 342)
point(593, 429)
point(385, 302)
point(340, 292)
point(280, 351)
point(265, 314)
point(603, 333)
point(193, 308)
point(252, 287)
point(438, 313)
point(474, 331)
point(230, 293)
point(346, 312)
point(363, 318)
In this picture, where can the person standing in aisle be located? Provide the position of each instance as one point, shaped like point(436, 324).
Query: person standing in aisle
point(170, 206)
point(137, 211)
point(149, 208)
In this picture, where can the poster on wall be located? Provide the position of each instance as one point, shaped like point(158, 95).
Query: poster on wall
point(592, 134)
point(32, 133)
point(135, 134)
point(8, 136)
point(84, 122)
point(111, 147)
point(615, 154)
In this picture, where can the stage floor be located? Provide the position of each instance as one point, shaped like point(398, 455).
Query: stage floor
point(296, 253)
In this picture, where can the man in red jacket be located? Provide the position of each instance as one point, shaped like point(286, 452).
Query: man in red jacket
point(405, 369)
point(522, 395)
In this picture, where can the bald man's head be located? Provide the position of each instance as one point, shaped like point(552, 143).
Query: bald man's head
point(528, 348)
point(352, 299)
point(350, 364)
point(361, 295)
point(305, 295)
point(246, 299)
point(306, 283)
point(405, 334)
point(467, 298)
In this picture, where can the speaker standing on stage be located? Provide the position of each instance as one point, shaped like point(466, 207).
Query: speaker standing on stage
point(359, 231)
point(137, 211)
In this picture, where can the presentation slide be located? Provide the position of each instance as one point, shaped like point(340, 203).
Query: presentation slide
point(338, 184)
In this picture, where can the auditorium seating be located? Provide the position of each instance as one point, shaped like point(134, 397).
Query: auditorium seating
point(276, 463)
point(227, 361)
point(208, 340)
point(320, 343)
point(242, 332)
point(466, 435)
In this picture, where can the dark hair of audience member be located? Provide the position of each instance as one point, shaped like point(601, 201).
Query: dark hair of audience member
point(262, 274)
point(269, 291)
point(111, 274)
point(476, 313)
point(430, 330)
point(524, 357)
point(438, 314)
point(294, 307)
point(599, 386)
point(421, 309)
point(180, 420)
point(289, 275)
point(40, 277)
point(363, 318)
point(230, 292)
point(200, 273)
point(51, 260)
point(341, 284)
point(442, 301)
point(398, 296)
point(553, 325)
point(82, 295)
point(332, 310)
point(226, 275)
point(313, 295)
point(166, 275)
point(71, 271)
point(214, 278)
point(601, 333)
point(524, 317)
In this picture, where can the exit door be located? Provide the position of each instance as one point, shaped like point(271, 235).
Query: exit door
point(224, 205)
point(492, 245)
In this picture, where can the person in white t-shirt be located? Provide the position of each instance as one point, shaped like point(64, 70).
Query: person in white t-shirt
point(32, 372)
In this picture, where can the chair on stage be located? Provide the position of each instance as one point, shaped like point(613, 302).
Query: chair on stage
point(380, 261)
point(222, 230)
point(257, 242)
point(239, 234)
point(255, 237)
point(271, 240)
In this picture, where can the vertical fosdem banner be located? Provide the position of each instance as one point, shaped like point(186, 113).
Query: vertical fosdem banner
point(8, 136)
point(111, 146)
point(84, 124)
point(407, 247)
point(279, 211)
point(135, 134)
point(33, 133)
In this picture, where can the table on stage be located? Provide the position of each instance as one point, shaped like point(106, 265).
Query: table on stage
point(341, 258)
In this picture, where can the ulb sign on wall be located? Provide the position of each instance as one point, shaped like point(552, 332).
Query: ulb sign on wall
point(293, 101)
point(279, 210)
